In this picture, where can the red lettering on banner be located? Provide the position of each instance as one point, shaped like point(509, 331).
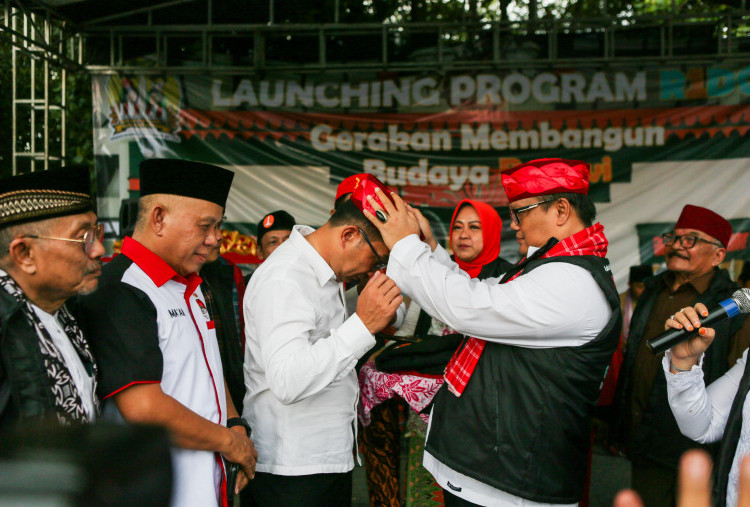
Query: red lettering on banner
point(738, 241)
point(658, 246)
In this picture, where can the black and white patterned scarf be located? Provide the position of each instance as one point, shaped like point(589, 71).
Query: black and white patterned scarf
point(68, 406)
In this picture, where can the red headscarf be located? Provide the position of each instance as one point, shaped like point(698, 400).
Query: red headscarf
point(492, 226)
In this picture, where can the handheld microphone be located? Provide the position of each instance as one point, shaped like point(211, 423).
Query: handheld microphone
point(738, 303)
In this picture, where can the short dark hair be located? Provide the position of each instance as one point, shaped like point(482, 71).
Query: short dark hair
point(349, 214)
point(581, 203)
point(341, 200)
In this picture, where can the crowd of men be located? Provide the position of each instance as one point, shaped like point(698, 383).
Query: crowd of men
point(254, 378)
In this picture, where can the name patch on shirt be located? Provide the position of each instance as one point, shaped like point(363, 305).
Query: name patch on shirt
point(176, 312)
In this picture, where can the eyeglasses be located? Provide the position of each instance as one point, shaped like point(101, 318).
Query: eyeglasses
point(514, 218)
point(381, 263)
point(687, 241)
point(92, 235)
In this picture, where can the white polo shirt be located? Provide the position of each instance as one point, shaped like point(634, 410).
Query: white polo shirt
point(301, 348)
point(150, 325)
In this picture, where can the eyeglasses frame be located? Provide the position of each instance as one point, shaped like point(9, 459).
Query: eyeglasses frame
point(514, 218)
point(97, 230)
point(678, 237)
point(381, 263)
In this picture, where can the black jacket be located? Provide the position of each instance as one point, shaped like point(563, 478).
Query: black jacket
point(25, 391)
point(218, 280)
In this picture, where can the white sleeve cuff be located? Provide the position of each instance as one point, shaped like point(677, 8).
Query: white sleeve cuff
point(355, 336)
point(682, 380)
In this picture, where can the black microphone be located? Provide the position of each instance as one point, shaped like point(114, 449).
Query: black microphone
point(738, 303)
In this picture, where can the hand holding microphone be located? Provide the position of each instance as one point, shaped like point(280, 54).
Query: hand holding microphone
point(687, 333)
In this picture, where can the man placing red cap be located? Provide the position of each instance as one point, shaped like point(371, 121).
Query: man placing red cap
point(511, 426)
point(645, 426)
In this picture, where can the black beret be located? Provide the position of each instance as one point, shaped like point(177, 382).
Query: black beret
point(278, 220)
point(45, 194)
point(186, 178)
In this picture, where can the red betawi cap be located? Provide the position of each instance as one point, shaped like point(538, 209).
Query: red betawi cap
point(349, 185)
point(367, 185)
point(705, 220)
point(546, 176)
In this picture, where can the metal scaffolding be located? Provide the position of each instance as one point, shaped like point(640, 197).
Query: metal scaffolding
point(43, 51)
point(255, 49)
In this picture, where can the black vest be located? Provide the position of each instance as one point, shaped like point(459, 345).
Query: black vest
point(523, 422)
point(25, 391)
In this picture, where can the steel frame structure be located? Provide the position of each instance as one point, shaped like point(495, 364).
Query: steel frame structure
point(44, 43)
point(466, 46)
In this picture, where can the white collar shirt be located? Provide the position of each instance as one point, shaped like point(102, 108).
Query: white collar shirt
point(301, 348)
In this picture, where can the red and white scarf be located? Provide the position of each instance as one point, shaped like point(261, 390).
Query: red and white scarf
point(590, 241)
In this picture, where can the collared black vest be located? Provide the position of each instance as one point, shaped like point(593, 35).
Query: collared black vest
point(25, 391)
point(658, 438)
point(523, 422)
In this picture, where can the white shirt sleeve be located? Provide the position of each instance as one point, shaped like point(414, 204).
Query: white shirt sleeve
point(298, 363)
point(701, 413)
point(555, 305)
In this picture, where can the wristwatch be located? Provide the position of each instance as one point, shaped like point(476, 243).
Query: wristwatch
point(239, 421)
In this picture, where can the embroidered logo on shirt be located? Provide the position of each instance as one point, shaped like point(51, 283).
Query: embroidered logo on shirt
point(204, 311)
point(454, 488)
point(176, 312)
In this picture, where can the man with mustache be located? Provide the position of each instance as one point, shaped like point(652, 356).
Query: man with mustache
point(155, 338)
point(645, 425)
point(50, 251)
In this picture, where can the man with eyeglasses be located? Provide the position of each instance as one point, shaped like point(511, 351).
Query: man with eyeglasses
point(155, 339)
point(511, 424)
point(301, 348)
point(644, 425)
point(50, 251)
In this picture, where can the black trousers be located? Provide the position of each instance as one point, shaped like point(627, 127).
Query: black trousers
point(451, 500)
point(316, 490)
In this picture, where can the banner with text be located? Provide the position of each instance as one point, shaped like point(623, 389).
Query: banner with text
point(656, 139)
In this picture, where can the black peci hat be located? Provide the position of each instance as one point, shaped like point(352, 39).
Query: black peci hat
point(640, 273)
point(45, 194)
point(186, 178)
point(278, 220)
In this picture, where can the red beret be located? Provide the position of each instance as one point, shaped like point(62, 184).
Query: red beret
point(349, 185)
point(544, 177)
point(366, 187)
point(705, 220)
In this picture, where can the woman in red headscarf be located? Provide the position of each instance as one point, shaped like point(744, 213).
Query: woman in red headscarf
point(475, 241)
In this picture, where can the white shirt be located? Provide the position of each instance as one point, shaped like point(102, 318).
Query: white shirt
point(300, 351)
point(81, 379)
point(541, 309)
point(702, 413)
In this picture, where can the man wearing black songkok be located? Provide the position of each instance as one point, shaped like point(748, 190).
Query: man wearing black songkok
point(154, 336)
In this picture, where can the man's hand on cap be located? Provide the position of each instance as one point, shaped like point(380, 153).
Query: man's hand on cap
point(400, 221)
